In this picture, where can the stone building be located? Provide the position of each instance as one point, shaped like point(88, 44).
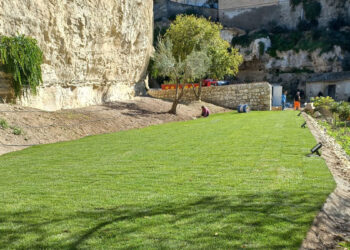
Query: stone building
point(335, 85)
point(257, 14)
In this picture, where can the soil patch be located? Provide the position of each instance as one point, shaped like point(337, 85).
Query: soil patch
point(332, 224)
point(40, 127)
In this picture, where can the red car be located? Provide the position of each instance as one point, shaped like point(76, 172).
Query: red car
point(209, 82)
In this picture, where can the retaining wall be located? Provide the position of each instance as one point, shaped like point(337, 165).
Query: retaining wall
point(257, 95)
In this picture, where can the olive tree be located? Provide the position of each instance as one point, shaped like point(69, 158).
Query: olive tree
point(188, 33)
point(194, 66)
point(197, 50)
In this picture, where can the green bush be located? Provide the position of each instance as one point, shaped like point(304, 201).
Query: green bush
point(337, 23)
point(323, 102)
point(246, 40)
point(16, 131)
point(22, 58)
point(3, 124)
point(312, 9)
point(344, 111)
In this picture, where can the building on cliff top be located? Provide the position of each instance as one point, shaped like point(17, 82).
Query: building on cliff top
point(243, 14)
point(335, 85)
point(252, 14)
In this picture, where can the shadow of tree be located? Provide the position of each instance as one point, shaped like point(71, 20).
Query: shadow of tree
point(132, 109)
point(272, 220)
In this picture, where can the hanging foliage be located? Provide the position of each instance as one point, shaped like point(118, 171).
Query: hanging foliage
point(21, 57)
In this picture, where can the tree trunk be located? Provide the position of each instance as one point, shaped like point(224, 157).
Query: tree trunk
point(176, 99)
point(199, 96)
point(174, 107)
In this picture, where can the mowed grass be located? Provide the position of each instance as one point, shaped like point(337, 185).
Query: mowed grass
point(231, 181)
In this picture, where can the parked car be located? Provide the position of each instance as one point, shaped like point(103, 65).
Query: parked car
point(209, 82)
point(221, 83)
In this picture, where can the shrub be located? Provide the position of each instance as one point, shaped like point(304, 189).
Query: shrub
point(246, 40)
point(312, 9)
point(323, 102)
point(16, 131)
point(22, 58)
point(3, 124)
point(337, 23)
point(344, 111)
point(305, 25)
point(279, 29)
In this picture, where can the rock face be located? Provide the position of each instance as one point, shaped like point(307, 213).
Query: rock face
point(94, 51)
point(291, 69)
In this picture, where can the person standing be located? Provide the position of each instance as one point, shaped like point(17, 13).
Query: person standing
point(297, 101)
point(284, 99)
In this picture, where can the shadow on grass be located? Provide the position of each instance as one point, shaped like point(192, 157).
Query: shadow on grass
point(271, 220)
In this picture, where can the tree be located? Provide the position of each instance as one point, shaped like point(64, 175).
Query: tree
point(188, 33)
point(194, 66)
point(200, 40)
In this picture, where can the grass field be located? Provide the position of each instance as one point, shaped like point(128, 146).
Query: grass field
point(227, 182)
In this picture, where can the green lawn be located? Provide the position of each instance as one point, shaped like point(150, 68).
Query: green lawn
point(227, 182)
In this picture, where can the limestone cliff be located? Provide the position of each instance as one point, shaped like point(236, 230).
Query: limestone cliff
point(94, 51)
point(292, 69)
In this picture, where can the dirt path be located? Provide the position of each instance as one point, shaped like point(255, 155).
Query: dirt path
point(39, 127)
point(332, 224)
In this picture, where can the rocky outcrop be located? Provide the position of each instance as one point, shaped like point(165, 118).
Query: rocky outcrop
point(291, 69)
point(290, 60)
point(94, 51)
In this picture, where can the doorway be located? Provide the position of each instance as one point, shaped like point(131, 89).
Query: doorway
point(331, 90)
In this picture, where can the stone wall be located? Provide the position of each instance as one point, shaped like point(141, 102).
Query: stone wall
point(94, 51)
point(257, 95)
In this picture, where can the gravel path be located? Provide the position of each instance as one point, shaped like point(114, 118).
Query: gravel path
point(332, 224)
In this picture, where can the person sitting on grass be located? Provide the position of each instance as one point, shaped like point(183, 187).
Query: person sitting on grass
point(205, 111)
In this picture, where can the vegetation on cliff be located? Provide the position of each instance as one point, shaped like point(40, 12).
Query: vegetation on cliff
point(312, 8)
point(21, 57)
point(310, 40)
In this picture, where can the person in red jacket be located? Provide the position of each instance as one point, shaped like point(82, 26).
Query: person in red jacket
point(205, 111)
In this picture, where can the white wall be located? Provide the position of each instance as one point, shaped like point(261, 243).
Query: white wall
point(342, 92)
